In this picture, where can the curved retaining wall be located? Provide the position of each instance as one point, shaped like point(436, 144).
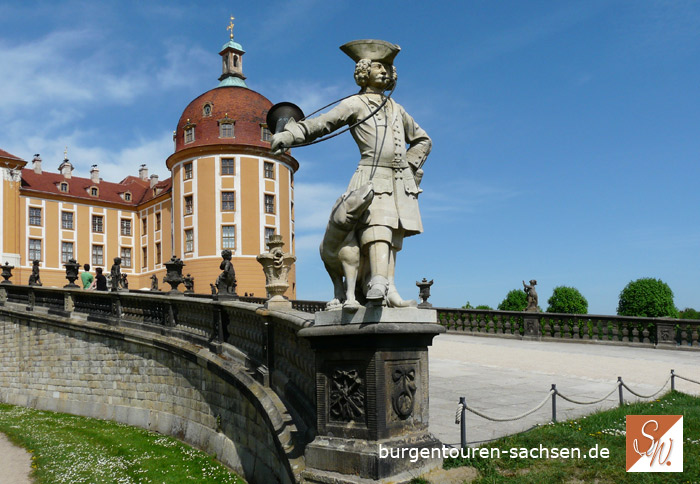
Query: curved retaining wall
point(151, 381)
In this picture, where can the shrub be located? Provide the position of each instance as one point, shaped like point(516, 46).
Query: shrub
point(567, 300)
point(647, 297)
point(484, 306)
point(690, 313)
point(516, 300)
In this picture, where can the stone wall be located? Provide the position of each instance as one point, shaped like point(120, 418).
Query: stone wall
point(150, 381)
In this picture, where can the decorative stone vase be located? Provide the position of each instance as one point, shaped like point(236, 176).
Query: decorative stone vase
point(72, 268)
point(424, 292)
point(7, 273)
point(276, 264)
point(174, 274)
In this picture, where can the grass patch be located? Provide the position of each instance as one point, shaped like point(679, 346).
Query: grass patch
point(71, 450)
point(603, 429)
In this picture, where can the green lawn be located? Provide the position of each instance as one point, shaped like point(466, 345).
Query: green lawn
point(71, 450)
point(604, 429)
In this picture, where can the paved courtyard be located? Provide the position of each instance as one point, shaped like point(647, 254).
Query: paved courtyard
point(505, 378)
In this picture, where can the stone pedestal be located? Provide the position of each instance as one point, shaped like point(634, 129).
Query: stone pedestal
point(371, 395)
point(531, 323)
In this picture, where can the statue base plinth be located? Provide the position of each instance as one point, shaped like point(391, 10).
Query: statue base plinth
point(225, 297)
point(278, 302)
point(375, 314)
point(372, 395)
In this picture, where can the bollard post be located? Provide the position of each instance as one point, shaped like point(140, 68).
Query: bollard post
point(554, 403)
point(619, 390)
point(463, 422)
point(673, 380)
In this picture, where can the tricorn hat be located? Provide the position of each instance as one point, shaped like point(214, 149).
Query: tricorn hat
point(372, 49)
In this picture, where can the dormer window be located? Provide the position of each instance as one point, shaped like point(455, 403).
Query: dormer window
point(265, 134)
point(94, 191)
point(206, 111)
point(189, 135)
point(127, 196)
point(64, 187)
point(189, 132)
point(226, 127)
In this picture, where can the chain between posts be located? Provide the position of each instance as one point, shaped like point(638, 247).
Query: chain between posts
point(462, 407)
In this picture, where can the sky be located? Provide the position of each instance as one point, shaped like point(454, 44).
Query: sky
point(565, 133)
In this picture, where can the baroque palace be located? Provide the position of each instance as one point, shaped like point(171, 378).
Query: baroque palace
point(226, 191)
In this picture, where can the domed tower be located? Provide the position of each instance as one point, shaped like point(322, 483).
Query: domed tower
point(228, 190)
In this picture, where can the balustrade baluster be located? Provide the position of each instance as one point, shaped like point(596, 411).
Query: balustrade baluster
point(645, 334)
point(684, 335)
point(635, 334)
point(566, 329)
point(499, 323)
point(557, 329)
point(694, 340)
point(615, 331)
point(547, 327)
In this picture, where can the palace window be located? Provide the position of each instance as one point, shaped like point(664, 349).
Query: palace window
point(126, 226)
point(207, 110)
point(228, 201)
point(66, 251)
point(226, 130)
point(144, 226)
point(189, 205)
point(34, 216)
point(98, 255)
point(189, 135)
point(188, 171)
point(265, 134)
point(144, 257)
point(227, 166)
point(126, 256)
point(189, 240)
point(127, 196)
point(34, 249)
point(97, 225)
point(269, 170)
point(94, 191)
point(228, 237)
point(269, 232)
point(64, 187)
point(67, 220)
point(269, 203)
point(158, 253)
point(157, 220)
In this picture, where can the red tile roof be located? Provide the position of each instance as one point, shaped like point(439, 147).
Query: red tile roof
point(5, 154)
point(80, 187)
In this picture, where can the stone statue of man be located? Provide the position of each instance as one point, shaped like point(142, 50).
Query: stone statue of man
point(532, 298)
point(392, 172)
point(116, 273)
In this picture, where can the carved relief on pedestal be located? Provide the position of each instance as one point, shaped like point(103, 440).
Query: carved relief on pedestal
point(346, 396)
point(403, 390)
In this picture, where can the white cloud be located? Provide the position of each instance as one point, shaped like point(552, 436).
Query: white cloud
point(313, 203)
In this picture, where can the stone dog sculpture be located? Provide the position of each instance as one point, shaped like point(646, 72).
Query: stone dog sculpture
point(376, 228)
point(340, 251)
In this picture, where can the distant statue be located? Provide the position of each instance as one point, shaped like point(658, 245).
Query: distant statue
point(116, 274)
point(125, 282)
point(213, 289)
point(188, 281)
point(154, 283)
point(226, 282)
point(34, 278)
point(380, 207)
point(424, 292)
point(532, 299)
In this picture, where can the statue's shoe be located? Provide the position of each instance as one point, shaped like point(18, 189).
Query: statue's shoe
point(378, 288)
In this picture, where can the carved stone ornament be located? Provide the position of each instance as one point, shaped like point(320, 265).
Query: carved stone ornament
point(276, 264)
point(35, 277)
point(72, 267)
point(173, 275)
point(347, 397)
point(7, 273)
point(403, 391)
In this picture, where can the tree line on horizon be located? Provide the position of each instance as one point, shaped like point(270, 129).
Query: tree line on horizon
point(644, 297)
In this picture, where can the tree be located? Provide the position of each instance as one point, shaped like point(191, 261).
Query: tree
point(647, 297)
point(690, 313)
point(516, 300)
point(484, 306)
point(567, 300)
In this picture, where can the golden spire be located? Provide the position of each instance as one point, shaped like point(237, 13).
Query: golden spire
point(230, 27)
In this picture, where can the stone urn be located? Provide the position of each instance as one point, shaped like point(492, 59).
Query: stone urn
point(173, 275)
point(72, 268)
point(276, 264)
point(7, 273)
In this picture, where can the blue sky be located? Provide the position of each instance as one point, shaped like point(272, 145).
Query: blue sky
point(565, 134)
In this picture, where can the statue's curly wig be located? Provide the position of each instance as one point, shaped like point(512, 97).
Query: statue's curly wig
point(362, 73)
